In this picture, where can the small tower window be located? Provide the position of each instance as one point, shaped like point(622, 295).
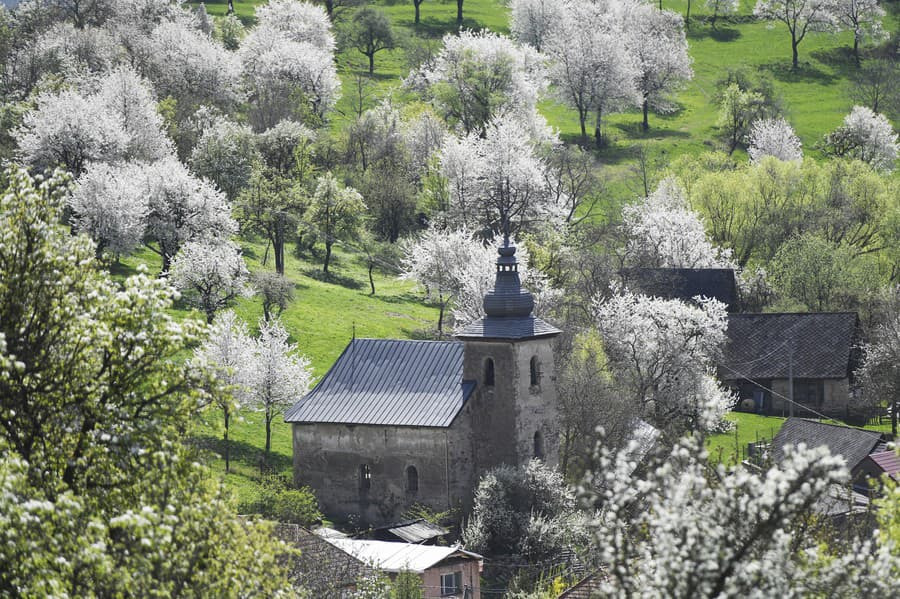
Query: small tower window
point(412, 479)
point(538, 445)
point(489, 373)
point(535, 371)
point(365, 477)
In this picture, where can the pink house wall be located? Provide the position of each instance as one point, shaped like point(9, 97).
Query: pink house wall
point(470, 568)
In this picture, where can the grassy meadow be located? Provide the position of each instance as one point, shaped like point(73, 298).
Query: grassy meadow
point(325, 312)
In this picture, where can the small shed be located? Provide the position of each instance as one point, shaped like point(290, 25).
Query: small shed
point(873, 467)
point(853, 444)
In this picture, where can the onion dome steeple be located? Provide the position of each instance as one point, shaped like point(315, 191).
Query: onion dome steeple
point(508, 307)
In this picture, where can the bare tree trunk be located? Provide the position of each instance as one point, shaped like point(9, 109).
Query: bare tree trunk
point(795, 60)
point(417, 3)
point(646, 108)
point(225, 438)
point(371, 63)
point(371, 279)
point(268, 433)
point(459, 14)
point(328, 243)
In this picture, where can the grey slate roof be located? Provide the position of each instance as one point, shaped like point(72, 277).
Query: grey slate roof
point(389, 382)
point(759, 345)
point(854, 444)
point(684, 283)
point(497, 327)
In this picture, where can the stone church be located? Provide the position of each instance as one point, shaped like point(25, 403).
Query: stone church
point(398, 422)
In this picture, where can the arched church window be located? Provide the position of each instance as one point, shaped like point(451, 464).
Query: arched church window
point(535, 371)
point(365, 477)
point(489, 372)
point(538, 445)
point(412, 479)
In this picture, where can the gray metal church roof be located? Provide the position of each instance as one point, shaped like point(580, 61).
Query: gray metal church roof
point(389, 382)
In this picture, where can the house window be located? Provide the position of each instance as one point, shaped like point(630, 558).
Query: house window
point(451, 584)
point(535, 371)
point(365, 477)
point(538, 445)
point(489, 373)
point(412, 479)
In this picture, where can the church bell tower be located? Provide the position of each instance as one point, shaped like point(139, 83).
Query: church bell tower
point(509, 353)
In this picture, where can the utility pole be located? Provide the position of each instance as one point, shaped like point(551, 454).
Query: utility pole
point(791, 378)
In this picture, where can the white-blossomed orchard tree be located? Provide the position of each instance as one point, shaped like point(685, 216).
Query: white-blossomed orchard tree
point(69, 130)
point(660, 354)
point(226, 351)
point(497, 181)
point(109, 205)
point(656, 40)
point(277, 375)
point(721, 8)
point(867, 136)
point(682, 531)
point(590, 68)
point(663, 232)
point(182, 208)
point(210, 273)
point(773, 137)
point(225, 154)
point(800, 17)
point(533, 21)
point(479, 76)
point(289, 56)
point(441, 261)
point(863, 18)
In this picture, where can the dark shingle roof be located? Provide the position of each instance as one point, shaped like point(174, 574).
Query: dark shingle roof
point(684, 283)
point(759, 345)
point(854, 444)
point(495, 327)
point(389, 382)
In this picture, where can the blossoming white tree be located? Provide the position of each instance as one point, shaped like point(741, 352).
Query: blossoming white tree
point(225, 154)
point(660, 353)
point(721, 8)
point(441, 261)
point(863, 18)
point(656, 40)
point(109, 205)
point(800, 17)
point(479, 76)
point(773, 137)
point(663, 232)
point(210, 273)
point(277, 376)
point(226, 351)
point(866, 136)
point(497, 182)
point(591, 69)
point(289, 55)
point(69, 130)
point(681, 531)
point(182, 208)
point(533, 21)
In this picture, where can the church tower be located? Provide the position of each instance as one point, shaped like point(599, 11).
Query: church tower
point(509, 354)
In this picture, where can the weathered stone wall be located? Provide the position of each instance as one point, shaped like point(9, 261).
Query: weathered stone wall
point(328, 457)
point(506, 417)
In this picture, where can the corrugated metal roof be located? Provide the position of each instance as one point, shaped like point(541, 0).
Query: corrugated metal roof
point(389, 382)
point(759, 345)
point(854, 444)
point(496, 327)
point(397, 557)
point(888, 461)
point(417, 531)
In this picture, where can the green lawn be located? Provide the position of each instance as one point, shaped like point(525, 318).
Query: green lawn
point(731, 448)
